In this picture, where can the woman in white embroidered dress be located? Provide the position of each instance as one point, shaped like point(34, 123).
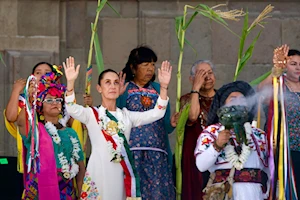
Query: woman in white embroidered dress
point(110, 173)
point(218, 151)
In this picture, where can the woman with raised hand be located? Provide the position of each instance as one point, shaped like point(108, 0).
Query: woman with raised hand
point(54, 156)
point(16, 103)
point(287, 63)
point(111, 172)
point(149, 143)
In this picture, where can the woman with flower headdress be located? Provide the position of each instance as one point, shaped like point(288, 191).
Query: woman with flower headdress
point(232, 150)
point(111, 173)
point(17, 102)
point(54, 156)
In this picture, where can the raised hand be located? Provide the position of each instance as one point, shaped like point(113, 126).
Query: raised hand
point(19, 85)
point(199, 79)
point(164, 74)
point(123, 86)
point(70, 71)
point(280, 56)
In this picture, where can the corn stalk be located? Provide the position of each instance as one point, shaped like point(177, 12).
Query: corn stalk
point(243, 57)
point(98, 53)
point(182, 23)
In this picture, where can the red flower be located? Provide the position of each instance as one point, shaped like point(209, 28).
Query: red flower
point(83, 195)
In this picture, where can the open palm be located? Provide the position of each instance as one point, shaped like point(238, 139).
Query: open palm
point(165, 73)
point(70, 71)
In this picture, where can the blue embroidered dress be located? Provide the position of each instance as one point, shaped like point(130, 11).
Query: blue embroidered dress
point(150, 144)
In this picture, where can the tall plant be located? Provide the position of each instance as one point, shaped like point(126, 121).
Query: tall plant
point(94, 43)
point(244, 56)
point(182, 24)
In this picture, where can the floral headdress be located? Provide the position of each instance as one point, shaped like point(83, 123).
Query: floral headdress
point(49, 84)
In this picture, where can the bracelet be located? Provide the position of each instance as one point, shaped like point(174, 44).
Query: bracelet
point(217, 147)
point(164, 87)
point(195, 91)
point(70, 90)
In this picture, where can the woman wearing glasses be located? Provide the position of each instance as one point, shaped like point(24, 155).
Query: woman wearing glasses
point(54, 156)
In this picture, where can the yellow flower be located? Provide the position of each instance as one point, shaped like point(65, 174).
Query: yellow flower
point(85, 187)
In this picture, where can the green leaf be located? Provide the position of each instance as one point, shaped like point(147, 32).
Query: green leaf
point(115, 11)
point(98, 54)
point(248, 53)
point(2, 60)
point(188, 43)
point(101, 6)
point(260, 79)
point(180, 128)
point(178, 27)
point(190, 20)
point(205, 7)
point(244, 35)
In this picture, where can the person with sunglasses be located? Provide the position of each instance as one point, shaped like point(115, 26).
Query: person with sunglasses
point(54, 157)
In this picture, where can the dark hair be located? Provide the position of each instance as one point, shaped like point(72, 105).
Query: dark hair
point(137, 56)
point(41, 63)
point(103, 73)
point(294, 52)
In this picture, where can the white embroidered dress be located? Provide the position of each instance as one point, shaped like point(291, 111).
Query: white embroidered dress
point(109, 176)
point(207, 158)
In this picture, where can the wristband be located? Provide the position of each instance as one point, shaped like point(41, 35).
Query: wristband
point(195, 91)
point(70, 90)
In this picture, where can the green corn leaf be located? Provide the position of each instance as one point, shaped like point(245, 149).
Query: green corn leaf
point(205, 7)
point(260, 79)
point(248, 53)
point(98, 54)
point(2, 60)
point(115, 11)
point(244, 35)
point(178, 26)
point(180, 128)
point(190, 20)
point(101, 6)
point(189, 44)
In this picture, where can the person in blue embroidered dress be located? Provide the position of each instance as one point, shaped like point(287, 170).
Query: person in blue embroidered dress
point(218, 151)
point(149, 143)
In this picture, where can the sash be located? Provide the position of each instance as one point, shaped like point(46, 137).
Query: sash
point(131, 178)
point(47, 176)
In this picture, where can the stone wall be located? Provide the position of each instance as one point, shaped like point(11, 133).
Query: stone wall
point(50, 30)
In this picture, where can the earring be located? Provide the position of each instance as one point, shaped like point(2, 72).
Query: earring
point(60, 116)
point(42, 118)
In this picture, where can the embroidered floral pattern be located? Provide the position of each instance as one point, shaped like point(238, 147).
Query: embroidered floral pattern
point(112, 128)
point(89, 190)
point(257, 143)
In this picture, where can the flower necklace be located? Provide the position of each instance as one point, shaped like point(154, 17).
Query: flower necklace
point(69, 170)
point(236, 160)
point(112, 128)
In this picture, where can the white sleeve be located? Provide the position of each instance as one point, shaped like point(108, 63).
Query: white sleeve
point(77, 111)
point(205, 153)
point(147, 117)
